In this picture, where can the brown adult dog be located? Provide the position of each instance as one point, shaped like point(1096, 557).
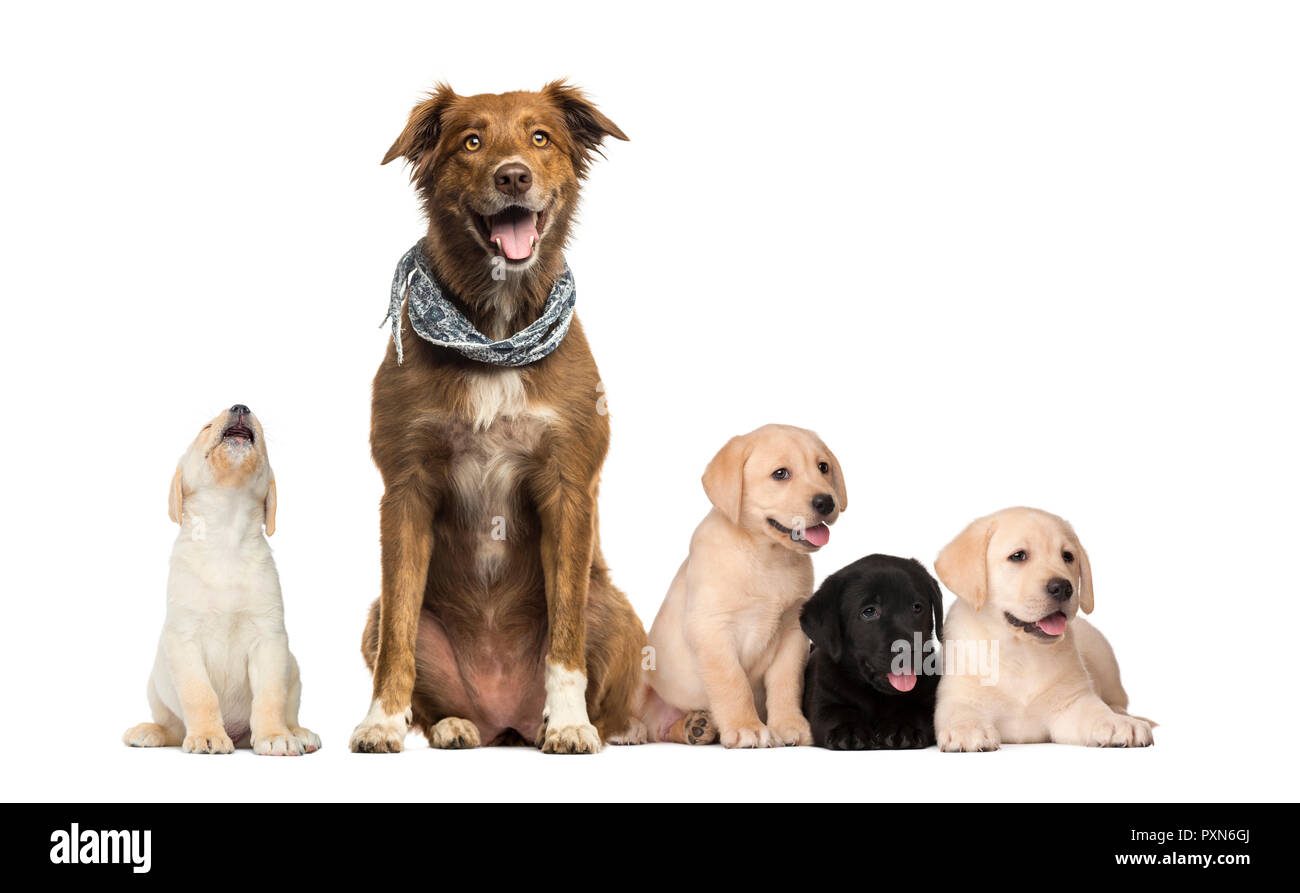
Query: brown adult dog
point(497, 621)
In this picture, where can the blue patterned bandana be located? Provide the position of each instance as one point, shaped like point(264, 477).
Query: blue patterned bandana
point(435, 319)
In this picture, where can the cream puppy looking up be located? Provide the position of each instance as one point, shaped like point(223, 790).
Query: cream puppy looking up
point(728, 653)
point(223, 674)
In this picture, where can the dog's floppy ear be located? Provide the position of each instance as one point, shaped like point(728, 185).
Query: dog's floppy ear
point(423, 128)
point(821, 618)
point(725, 475)
point(963, 564)
point(586, 124)
point(174, 496)
point(269, 507)
point(931, 586)
point(1085, 573)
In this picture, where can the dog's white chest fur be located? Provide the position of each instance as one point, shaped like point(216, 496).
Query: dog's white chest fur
point(505, 430)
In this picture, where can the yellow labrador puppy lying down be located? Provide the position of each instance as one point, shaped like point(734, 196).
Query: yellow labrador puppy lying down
point(223, 674)
point(1022, 576)
point(729, 655)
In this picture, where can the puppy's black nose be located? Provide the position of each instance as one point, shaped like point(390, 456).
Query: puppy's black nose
point(241, 409)
point(1060, 589)
point(823, 503)
point(513, 179)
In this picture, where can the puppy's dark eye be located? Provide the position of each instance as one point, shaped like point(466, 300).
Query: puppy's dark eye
point(472, 143)
point(1018, 556)
point(781, 474)
point(540, 139)
point(823, 467)
point(1068, 556)
point(870, 612)
point(917, 607)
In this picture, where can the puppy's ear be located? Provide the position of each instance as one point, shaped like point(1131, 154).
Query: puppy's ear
point(423, 129)
point(821, 618)
point(586, 124)
point(963, 564)
point(269, 507)
point(837, 480)
point(724, 478)
point(174, 496)
point(936, 597)
point(1085, 573)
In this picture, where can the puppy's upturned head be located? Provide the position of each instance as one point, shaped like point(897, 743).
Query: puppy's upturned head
point(1026, 565)
point(499, 173)
point(862, 611)
point(229, 452)
point(779, 482)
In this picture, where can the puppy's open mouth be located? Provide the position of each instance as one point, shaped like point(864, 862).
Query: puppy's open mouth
point(238, 431)
point(513, 233)
point(812, 537)
point(1049, 627)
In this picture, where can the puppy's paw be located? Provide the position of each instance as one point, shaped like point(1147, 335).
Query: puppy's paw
point(146, 734)
point(698, 727)
point(453, 733)
point(747, 736)
point(792, 731)
point(380, 732)
point(635, 733)
point(969, 738)
point(905, 736)
point(310, 740)
point(576, 738)
point(848, 737)
point(1118, 730)
point(279, 744)
point(208, 742)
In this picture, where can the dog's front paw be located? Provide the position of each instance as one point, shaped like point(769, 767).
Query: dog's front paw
point(310, 740)
point(279, 744)
point(453, 733)
point(747, 736)
point(905, 736)
point(969, 738)
point(1118, 730)
point(576, 738)
point(848, 737)
point(792, 731)
point(380, 732)
point(208, 742)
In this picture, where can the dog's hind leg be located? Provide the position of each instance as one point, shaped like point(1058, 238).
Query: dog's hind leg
point(166, 730)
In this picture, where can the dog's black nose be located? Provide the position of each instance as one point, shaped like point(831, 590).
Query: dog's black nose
point(241, 409)
point(823, 503)
point(513, 179)
point(1060, 589)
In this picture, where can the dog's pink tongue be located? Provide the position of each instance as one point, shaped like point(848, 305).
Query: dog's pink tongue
point(819, 535)
point(903, 681)
point(1053, 624)
point(514, 234)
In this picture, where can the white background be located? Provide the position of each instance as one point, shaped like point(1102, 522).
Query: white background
point(995, 254)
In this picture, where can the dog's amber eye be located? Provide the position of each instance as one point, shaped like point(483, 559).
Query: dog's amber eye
point(1068, 556)
point(781, 474)
point(540, 139)
point(823, 467)
point(1018, 556)
point(472, 143)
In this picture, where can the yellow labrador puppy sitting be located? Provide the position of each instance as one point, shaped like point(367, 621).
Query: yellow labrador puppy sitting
point(223, 674)
point(1022, 576)
point(729, 655)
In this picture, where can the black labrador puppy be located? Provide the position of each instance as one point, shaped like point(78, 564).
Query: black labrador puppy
point(874, 670)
